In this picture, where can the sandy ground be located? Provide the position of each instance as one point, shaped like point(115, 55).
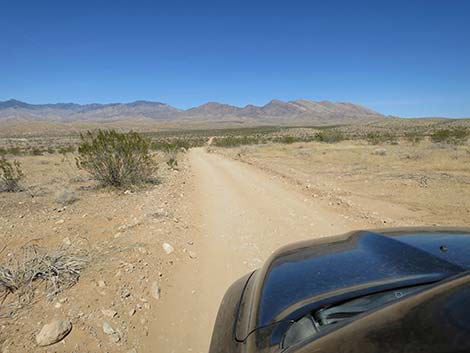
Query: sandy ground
point(121, 231)
point(424, 184)
point(224, 213)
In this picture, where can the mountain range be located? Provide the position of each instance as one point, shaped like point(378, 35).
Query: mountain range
point(300, 111)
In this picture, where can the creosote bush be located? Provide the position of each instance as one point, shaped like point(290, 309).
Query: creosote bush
point(116, 159)
point(377, 138)
point(450, 136)
point(330, 136)
point(10, 175)
point(413, 137)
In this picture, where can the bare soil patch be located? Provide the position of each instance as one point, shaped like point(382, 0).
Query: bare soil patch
point(400, 184)
point(122, 235)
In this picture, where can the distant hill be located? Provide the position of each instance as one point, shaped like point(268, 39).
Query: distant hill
point(298, 111)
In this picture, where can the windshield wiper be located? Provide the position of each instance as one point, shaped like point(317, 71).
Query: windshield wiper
point(314, 322)
point(351, 308)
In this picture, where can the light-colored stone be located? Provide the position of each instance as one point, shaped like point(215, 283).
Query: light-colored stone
point(156, 290)
point(168, 248)
point(380, 152)
point(115, 337)
point(53, 332)
point(66, 197)
point(107, 328)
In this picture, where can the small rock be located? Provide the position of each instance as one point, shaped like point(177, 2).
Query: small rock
point(107, 328)
point(60, 221)
point(142, 250)
point(155, 290)
point(101, 284)
point(53, 332)
point(192, 255)
point(125, 293)
point(168, 248)
point(115, 337)
point(160, 213)
point(132, 312)
point(66, 197)
point(190, 242)
point(66, 241)
point(380, 152)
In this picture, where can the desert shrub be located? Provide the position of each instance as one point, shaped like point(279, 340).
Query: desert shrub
point(442, 135)
point(16, 151)
point(66, 149)
point(37, 151)
point(181, 143)
point(287, 139)
point(413, 137)
point(451, 136)
point(330, 136)
point(376, 138)
point(116, 159)
point(171, 154)
point(235, 141)
point(10, 175)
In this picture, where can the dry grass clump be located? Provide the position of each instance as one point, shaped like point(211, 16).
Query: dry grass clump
point(35, 268)
point(171, 155)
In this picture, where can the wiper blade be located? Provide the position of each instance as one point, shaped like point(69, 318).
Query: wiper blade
point(360, 305)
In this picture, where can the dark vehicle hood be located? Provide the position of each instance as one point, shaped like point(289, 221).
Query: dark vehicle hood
point(432, 321)
point(313, 273)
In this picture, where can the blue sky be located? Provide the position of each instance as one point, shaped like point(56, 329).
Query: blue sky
point(406, 58)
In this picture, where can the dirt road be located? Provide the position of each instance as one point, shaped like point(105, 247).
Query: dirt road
point(242, 215)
